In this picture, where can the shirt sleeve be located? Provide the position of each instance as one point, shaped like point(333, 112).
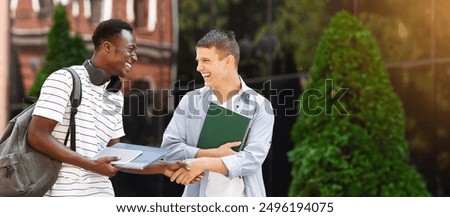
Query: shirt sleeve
point(175, 135)
point(249, 161)
point(118, 131)
point(54, 97)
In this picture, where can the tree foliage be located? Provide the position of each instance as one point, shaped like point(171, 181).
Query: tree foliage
point(349, 137)
point(404, 31)
point(401, 29)
point(63, 50)
point(298, 27)
point(245, 18)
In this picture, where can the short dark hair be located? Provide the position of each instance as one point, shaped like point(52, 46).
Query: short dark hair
point(108, 30)
point(222, 40)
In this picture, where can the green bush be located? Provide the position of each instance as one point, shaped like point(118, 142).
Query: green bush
point(350, 133)
point(62, 50)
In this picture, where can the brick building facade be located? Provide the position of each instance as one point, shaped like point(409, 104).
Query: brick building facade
point(152, 20)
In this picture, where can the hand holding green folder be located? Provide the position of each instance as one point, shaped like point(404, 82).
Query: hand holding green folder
point(221, 126)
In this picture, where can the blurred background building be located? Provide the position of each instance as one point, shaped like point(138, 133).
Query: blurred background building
point(152, 20)
point(4, 64)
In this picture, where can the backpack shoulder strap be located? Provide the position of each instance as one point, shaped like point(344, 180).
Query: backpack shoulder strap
point(75, 101)
point(75, 96)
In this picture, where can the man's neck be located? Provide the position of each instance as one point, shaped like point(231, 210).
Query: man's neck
point(225, 93)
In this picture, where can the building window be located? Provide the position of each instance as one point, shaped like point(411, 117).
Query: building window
point(46, 9)
point(141, 13)
point(96, 10)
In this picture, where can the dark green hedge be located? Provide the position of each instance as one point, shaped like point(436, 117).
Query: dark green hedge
point(350, 134)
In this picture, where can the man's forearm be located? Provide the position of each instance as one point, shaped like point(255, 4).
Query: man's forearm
point(213, 164)
point(155, 168)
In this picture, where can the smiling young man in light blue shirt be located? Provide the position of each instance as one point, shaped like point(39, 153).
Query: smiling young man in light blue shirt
point(227, 173)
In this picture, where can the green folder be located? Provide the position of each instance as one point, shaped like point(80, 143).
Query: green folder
point(221, 126)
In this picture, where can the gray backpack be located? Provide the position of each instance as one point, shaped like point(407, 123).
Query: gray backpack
point(23, 170)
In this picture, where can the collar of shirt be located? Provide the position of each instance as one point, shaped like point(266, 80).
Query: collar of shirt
point(234, 101)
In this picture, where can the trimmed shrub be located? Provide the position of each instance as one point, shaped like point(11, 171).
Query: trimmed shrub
point(350, 133)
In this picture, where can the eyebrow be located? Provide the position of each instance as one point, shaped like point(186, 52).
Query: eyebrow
point(203, 58)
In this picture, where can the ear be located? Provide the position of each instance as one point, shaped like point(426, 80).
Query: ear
point(107, 46)
point(230, 59)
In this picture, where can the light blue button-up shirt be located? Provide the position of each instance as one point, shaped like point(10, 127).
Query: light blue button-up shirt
point(184, 129)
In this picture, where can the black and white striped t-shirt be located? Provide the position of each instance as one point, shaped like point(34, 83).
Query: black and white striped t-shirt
point(99, 119)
